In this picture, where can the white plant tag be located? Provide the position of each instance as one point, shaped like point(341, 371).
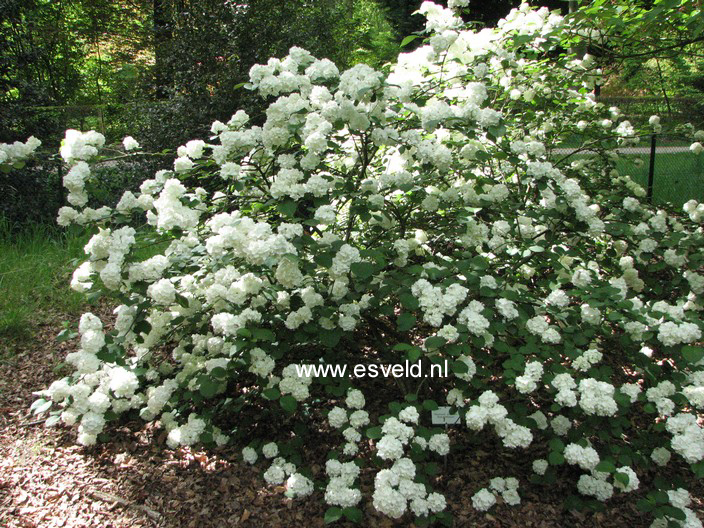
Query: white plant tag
point(443, 416)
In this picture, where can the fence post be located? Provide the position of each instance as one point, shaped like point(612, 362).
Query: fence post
point(651, 169)
point(60, 171)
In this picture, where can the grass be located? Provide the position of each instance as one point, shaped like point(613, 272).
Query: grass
point(36, 263)
point(678, 177)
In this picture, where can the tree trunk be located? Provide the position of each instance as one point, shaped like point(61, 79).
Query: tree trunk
point(162, 38)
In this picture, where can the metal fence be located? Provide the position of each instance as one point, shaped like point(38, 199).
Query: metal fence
point(674, 109)
point(667, 169)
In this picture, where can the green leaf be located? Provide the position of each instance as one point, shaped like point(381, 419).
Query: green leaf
point(363, 270)
point(555, 458)
point(207, 386)
point(414, 354)
point(407, 40)
point(606, 466)
point(181, 300)
point(405, 322)
point(374, 432)
point(353, 514)
point(244, 332)
point(557, 445)
point(263, 334)
point(288, 403)
point(430, 405)
point(330, 338)
point(644, 505)
point(272, 393)
point(288, 208)
point(65, 335)
point(41, 406)
point(622, 478)
point(661, 497)
point(142, 326)
point(435, 342)
point(332, 514)
point(218, 373)
point(698, 469)
point(675, 513)
point(324, 260)
point(692, 354)
point(409, 302)
point(459, 367)
point(432, 469)
point(52, 420)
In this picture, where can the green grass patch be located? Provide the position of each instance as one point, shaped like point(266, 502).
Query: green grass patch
point(36, 263)
point(678, 177)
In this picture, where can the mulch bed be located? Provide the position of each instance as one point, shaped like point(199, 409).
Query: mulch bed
point(46, 480)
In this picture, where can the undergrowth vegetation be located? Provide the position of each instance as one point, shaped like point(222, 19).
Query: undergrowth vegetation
point(36, 261)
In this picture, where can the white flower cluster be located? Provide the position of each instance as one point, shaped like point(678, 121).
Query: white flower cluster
point(298, 486)
point(587, 360)
point(660, 395)
point(129, 143)
point(695, 210)
point(294, 384)
point(596, 484)
point(597, 397)
point(396, 491)
point(507, 487)
point(585, 457)
point(280, 470)
point(80, 146)
point(671, 333)
point(540, 466)
point(565, 385)
point(103, 387)
point(437, 303)
point(340, 491)
point(687, 437)
point(528, 381)
point(540, 327)
point(186, 434)
point(681, 499)
point(11, 153)
point(490, 411)
point(357, 418)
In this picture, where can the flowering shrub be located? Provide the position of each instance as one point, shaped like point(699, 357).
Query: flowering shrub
point(422, 214)
point(14, 155)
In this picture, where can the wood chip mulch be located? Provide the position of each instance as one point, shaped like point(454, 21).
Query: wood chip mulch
point(46, 480)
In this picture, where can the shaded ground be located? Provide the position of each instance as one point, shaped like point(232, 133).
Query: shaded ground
point(47, 481)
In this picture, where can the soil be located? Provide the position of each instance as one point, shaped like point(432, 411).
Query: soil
point(46, 480)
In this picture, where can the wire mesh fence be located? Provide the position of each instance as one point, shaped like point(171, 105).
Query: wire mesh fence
point(639, 109)
point(667, 169)
point(670, 171)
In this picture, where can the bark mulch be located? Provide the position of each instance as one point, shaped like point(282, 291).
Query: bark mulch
point(46, 480)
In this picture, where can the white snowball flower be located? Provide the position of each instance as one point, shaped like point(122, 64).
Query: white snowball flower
point(270, 450)
point(130, 143)
point(483, 500)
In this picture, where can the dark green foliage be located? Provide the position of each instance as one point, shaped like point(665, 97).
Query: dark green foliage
point(32, 193)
